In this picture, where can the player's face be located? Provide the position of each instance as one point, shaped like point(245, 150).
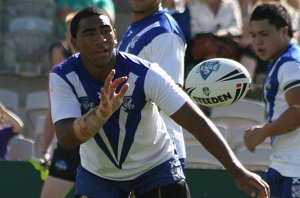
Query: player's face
point(267, 41)
point(144, 7)
point(96, 41)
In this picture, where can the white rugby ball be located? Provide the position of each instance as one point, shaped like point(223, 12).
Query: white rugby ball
point(218, 82)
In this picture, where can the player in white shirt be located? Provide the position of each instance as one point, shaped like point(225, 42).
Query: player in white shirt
point(107, 102)
point(271, 32)
point(222, 20)
point(151, 27)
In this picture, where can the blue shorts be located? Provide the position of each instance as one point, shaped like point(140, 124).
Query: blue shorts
point(167, 173)
point(280, 186)
point(182, 161)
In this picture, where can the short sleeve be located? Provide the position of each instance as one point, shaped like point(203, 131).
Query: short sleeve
point(162, 90)
point(64, 103)
point(289, 75)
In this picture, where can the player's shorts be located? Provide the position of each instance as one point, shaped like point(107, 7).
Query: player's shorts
point(280, 186)
point(167, 173)
point(64, 163)
point(182, 161)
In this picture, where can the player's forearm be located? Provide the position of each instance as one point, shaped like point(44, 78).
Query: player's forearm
point(65, 133)
point(73, 132)
point(86, 126)
point(16, 122)
point(208, 135)
point(49, 133)
point(213, 141)
point(287, 122)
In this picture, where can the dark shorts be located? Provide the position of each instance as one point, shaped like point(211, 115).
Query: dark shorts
point(64, 163)
point(168, 173)
point(282, 187)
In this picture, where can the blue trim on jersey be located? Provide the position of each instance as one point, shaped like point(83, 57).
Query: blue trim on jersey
point(137, 99)
point(60, 70)
point(271, 84)
point(166, 24)
point(125, 63)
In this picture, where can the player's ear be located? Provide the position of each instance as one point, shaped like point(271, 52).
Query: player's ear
point(285, 30)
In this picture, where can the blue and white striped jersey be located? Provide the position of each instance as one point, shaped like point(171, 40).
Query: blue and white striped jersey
point(283, 75)
point(158, 39)
point(134, 139)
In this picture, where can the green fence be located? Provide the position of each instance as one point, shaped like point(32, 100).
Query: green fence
point(21, 180)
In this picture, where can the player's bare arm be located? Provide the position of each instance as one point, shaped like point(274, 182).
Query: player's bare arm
point(86, 126)
point(8, 116)
point(287, 122)
point(209, 136)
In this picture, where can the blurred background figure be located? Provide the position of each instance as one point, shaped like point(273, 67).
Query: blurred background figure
point(10, 126)
point(68, 36)
point(58, 52)
point(247, 56)
point(63, 165)
point(64, 7)
point(219, 17)
point(176, 5)
point(181, 13)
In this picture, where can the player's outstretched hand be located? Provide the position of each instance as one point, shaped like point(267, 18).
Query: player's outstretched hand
point(253, 185)
point(110, 101)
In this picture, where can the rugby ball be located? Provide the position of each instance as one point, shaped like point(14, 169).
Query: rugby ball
point(217, 82)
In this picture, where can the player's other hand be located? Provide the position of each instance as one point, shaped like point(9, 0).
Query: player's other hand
point(110, 101)
point(253, 184)
point(253, 137)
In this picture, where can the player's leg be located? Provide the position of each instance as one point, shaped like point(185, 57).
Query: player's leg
point(62, 173)
point(178, 190)
point(55, 187)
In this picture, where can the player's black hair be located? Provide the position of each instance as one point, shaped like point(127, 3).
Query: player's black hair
point(275, 13)
point(84, 13)
point(64, 45)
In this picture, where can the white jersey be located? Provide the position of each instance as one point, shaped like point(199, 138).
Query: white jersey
point(283, 75)
point(158, 39)
point(134, 139)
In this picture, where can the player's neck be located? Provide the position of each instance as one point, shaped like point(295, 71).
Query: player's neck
point(137, 16)
point(284, 47)
point(100, 72)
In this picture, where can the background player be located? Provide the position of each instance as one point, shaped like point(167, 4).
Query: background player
point(271, 33)
point(151, 27)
